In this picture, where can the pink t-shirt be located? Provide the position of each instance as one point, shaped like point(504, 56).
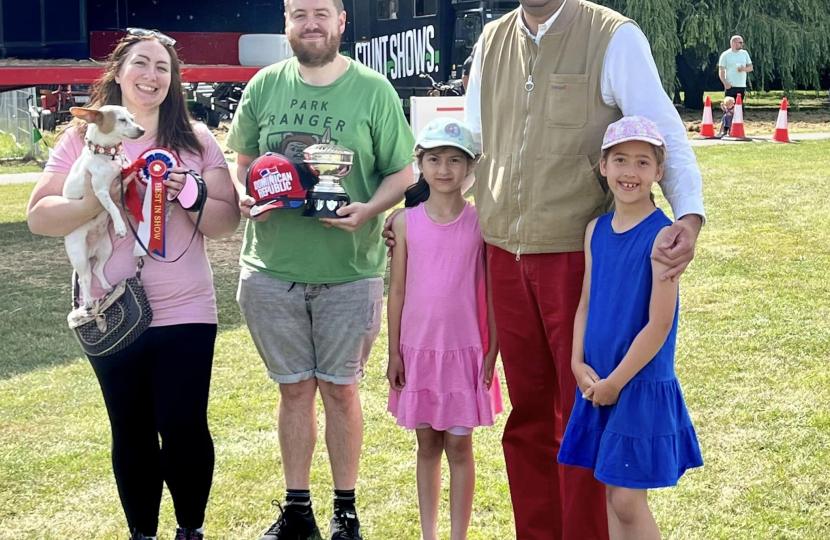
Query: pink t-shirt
point(179, 293)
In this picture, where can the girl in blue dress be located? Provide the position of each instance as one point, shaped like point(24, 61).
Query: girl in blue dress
point(630, 425)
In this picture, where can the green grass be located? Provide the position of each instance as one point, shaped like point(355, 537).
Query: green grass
point(18, 167)
point(798, 100)
point(752, 357)
point(9, 148)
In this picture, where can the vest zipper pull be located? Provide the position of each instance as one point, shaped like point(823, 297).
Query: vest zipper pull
point(529, 84)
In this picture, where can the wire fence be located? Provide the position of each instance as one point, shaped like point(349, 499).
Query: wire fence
point(17, 121)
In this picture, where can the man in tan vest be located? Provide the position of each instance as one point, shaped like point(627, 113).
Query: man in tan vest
point(546, 82)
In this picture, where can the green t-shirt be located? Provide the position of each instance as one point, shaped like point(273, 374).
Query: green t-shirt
point(281, 113)
point(731, 60)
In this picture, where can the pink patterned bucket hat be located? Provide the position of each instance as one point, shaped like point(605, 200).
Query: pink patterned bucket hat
point(632, 128)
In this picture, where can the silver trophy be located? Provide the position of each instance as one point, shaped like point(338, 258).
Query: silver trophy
point(330, 163)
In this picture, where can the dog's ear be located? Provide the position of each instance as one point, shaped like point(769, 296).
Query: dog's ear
point(91, 116)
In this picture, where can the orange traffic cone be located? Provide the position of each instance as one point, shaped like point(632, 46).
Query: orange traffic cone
point(707, 126)
point(737, 129)
point(781, 127)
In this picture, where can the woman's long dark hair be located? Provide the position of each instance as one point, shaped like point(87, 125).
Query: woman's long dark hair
point(175, 129)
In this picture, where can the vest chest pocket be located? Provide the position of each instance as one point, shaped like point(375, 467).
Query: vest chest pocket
point(566, 102)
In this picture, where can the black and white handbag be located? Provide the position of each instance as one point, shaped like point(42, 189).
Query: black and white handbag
point(115, 321)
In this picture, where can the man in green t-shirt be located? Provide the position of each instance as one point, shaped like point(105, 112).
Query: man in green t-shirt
point(733, 66)
point(311, 290)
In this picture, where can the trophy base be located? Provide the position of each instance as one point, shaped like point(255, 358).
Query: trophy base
point(325, 205)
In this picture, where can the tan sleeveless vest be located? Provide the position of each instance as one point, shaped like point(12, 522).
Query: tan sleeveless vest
point(543, 119)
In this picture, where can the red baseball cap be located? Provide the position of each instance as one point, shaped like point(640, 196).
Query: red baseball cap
point(274, 183)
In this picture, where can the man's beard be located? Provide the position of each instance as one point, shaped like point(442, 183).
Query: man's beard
point(312, 55)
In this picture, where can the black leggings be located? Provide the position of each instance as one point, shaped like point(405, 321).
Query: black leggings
point(158, 386)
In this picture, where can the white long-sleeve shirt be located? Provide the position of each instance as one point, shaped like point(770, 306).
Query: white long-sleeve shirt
point(630, 82)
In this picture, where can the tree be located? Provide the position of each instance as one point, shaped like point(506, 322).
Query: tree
point(789, 40)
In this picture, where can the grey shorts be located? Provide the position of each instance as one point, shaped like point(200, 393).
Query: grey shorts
point(303, 331)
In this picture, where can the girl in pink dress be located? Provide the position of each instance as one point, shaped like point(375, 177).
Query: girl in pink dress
point(442, 339)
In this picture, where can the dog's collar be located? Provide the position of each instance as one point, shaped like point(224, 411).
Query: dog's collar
point(97, 149)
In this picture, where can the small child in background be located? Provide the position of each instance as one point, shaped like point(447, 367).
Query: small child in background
point(728, 107)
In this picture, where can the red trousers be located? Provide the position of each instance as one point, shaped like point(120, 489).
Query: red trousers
point(535, 300)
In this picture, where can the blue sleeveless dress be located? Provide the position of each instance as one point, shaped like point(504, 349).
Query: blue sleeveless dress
point(646, 440)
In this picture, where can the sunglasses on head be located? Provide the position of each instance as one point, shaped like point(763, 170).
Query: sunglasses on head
point(143, 32)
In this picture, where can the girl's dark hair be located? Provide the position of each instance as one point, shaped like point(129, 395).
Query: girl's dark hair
point(417, 193)
point(175, 129)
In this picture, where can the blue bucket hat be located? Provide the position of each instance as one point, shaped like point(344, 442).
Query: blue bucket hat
point(447, 132)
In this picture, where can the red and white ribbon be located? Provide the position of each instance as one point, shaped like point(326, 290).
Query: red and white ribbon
point(151, 230)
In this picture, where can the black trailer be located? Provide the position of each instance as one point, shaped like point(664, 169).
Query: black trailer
point(44, 29)
point(407, 40)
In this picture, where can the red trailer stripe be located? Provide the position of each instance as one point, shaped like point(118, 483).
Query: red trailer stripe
point(206, 48)
point(449, 109)
point(218, 73)
point(15, 76)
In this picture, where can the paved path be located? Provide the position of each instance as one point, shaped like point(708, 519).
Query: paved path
point(19, 178)
point(24, 178)
point(764, 138)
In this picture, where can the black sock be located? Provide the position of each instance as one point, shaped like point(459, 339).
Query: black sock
point(298, 497)
point(344, 499)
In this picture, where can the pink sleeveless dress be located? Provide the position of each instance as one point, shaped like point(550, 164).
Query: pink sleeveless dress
point(444, 333)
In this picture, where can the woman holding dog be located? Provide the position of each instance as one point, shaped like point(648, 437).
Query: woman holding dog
point(159, 384)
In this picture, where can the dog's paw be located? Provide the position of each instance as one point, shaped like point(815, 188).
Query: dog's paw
point(120, 229)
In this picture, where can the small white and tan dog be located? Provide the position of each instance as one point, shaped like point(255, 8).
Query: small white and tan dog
point(107, 128)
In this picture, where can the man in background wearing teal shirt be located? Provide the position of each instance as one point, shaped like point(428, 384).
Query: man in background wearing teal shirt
point(311, 290)
point(733, 66)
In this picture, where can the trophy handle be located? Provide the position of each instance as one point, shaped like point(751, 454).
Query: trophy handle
point(308, 178)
